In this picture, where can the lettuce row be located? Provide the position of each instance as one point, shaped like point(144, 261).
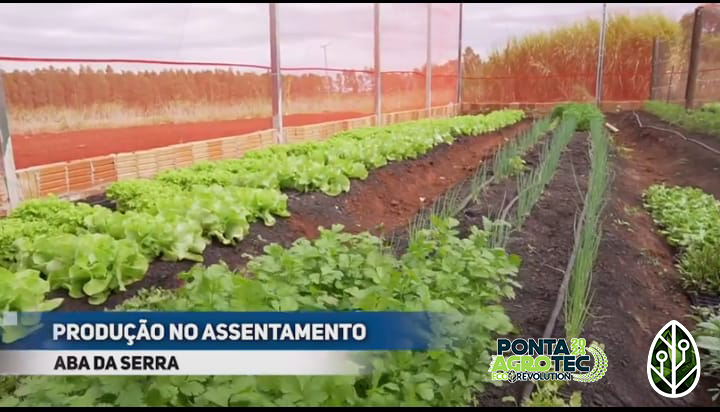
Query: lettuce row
point(91, 265)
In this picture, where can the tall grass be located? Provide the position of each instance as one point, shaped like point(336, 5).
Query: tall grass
point(588, 233)
point(560, 64)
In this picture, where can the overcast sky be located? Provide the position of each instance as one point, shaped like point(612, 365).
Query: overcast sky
point(238, 33)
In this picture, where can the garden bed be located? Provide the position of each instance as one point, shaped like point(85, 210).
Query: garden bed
point(635, 286)
point(386, 200)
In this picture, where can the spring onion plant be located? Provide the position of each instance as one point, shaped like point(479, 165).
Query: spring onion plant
point(588, 233)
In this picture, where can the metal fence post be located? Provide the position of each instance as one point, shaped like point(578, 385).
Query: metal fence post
point(378, 75)
point(694, 59)
point(601, 59)
point(428, 64)
point(460, 62)
point(654, 72)
point(276, 76)
point(6, 150)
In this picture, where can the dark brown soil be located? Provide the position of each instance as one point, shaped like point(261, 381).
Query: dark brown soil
point(360, 209)
point(386, 200)
point(636, 289)
point(544, 242)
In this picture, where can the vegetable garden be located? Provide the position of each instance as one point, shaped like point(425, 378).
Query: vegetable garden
point(545, 226)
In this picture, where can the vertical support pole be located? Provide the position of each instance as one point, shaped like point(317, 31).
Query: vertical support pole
point(654, 71)
point(428, 63)
point(460, 62)
point(694, 59)
point(276, 76)
point(669, 90)
point(601, 59)
point(6, 150)
point(378, 75)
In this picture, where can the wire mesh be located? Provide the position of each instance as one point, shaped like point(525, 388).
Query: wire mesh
point(708, 79)
point(105, 79)
point(529, 52)
point(444, 52)
point(169, 78)
point(653, 49)
point(403, 55)
point(326, 61)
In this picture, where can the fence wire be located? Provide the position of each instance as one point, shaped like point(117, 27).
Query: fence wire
point(100, 79)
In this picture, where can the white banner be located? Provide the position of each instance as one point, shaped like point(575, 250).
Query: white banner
point(181, 362)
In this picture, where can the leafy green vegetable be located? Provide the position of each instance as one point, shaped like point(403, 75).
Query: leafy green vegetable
point(91, 264)
point(23, 291)
point(326, 166)
point(164, 234)
point(707, 336)
point(13, 229)
point(582, 112)
point(337, 271)
point(61, 214)
point(690, 220)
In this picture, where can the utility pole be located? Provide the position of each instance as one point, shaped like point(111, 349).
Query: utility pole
point(324, 47)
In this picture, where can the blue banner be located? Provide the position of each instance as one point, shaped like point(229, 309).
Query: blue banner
point(344, 331)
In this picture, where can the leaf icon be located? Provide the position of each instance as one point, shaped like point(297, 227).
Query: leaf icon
point(673, 362)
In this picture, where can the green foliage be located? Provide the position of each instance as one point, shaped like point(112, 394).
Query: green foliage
point(517, 166)
point(65, 216)
point(687, 214)
point(705, 120)
point(23, 291)
point(690, 220)
point(547, 394)
point(700, 268)
point(508, 160)
point(532, 184)
point(86, 265)
point(336, 271)
point(712, 107)
point(588, 233)
point(168, 235)
point(326, 166)
point(13, 229)
point(173, 215)
point(139, 194)
point(707, 336)
point(583, 113)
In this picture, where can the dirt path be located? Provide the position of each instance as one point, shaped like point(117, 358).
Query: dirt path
point(636, 287)
point(45, 148)
point(635, 282)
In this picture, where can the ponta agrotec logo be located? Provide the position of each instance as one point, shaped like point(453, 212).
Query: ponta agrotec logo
point(547, 360)
point(673, 366)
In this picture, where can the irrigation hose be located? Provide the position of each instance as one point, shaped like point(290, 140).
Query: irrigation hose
point(701, 144)
point(560, 298)
point(466, 201)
